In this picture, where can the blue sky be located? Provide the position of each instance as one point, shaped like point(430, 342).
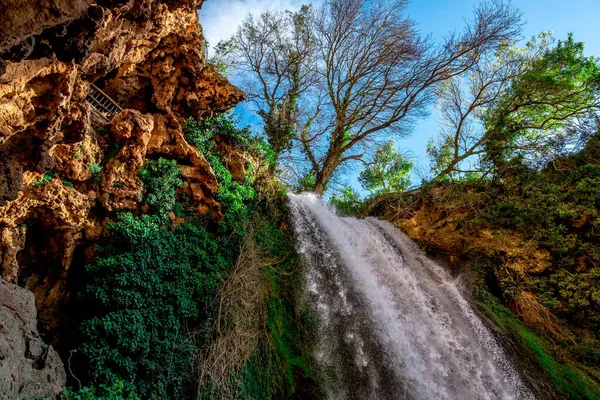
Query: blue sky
point(438, 17)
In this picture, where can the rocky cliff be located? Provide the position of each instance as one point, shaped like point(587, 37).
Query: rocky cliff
point(66, 167)
point(29, 368)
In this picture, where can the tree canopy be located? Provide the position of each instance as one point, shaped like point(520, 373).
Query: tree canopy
point(531, 103)
point(332, 84)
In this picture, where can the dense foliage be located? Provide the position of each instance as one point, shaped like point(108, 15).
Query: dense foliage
point(146, 282)
point(161, 178)
point(232, 195)
point(387, 172)
point(560, 210)
point(346, 202)
point(152, 287)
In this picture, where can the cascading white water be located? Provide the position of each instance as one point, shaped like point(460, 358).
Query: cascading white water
point(392, 323)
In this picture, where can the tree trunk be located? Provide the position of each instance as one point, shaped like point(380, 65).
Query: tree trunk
point(319, 189)
point(325, 174)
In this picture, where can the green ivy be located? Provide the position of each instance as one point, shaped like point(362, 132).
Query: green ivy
point(234, 197)
point(145, 283)
point(161, 179)
point(152, 286)
point(104, 392)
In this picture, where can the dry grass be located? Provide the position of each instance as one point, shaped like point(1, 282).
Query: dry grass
point(238, 325)
point(525, 305)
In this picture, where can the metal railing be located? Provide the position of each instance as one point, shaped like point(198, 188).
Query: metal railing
point(102, 103)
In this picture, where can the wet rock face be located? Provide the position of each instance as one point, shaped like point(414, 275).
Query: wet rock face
point(29, 368)
point(35, 99)
point(69, 42)
point(11, 180)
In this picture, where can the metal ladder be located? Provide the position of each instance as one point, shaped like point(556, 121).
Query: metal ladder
point(101, 103)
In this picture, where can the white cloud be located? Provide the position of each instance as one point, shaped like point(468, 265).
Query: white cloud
point(220, 18)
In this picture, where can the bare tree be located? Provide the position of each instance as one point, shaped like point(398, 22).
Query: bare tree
point(379, 72)
point(274, 56)
point(371, 74)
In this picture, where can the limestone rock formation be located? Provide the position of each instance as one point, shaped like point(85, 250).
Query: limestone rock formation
point(31, 17)
point(439, 223)
point(29, 368)
point(65, 170)
point(235, 159)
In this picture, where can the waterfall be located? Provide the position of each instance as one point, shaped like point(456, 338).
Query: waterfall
point(392, 324)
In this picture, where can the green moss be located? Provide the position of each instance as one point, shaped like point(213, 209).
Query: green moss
point(95, 171)
point(281, 366)
point(569, 379)
point(48, 176)
point(148, 286)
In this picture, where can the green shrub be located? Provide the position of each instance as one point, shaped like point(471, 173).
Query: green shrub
point(199, 136)
point(201, 133)
point(307, 182)
point(144, 284)
point(161, 179)
point(346, 202)
point(95, 171)
point(151, 284)
point(105, 392)
point(234, 197)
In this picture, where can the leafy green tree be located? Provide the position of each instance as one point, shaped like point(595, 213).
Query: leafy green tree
point(388, 172)
point(522, 102)
point(535, 113)
point(347, 201)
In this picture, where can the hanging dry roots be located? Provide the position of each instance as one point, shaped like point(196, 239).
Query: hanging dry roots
point(238, 326)
point(535, 315)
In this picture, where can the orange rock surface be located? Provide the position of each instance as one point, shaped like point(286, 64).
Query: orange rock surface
point(63, 171)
